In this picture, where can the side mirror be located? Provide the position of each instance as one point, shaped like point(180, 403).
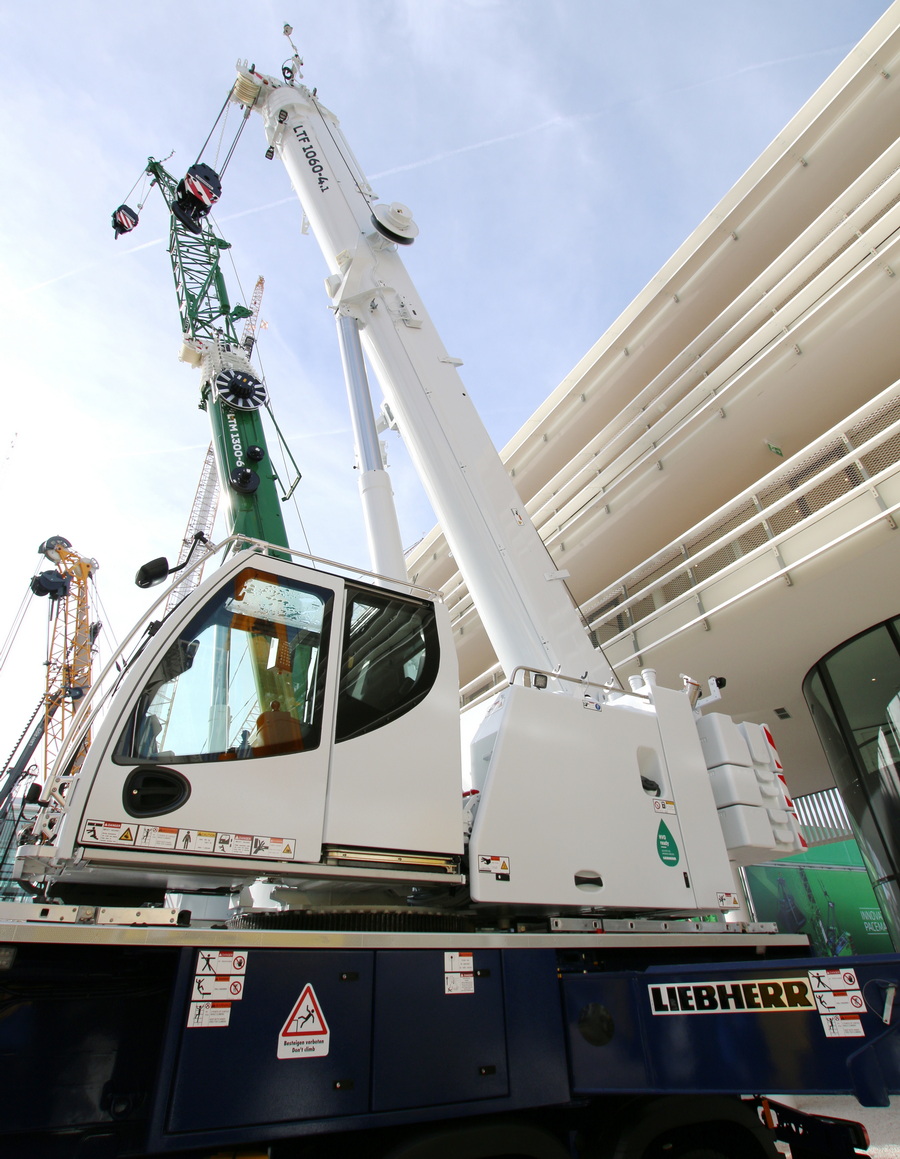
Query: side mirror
point(152, 573)
point(157, 570)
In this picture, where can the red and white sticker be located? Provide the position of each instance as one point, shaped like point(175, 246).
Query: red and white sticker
point(498, 866)
point(169, 838)
point(219, 978)
point(842, 1026)
point(459, 973)
point(156, 837)
point(839, 1002)
point(204, 1014)
point(217, 987)
point(306, 1033)
point(109, 832)
point(221, 962)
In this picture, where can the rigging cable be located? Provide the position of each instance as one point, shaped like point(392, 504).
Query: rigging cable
point(223, 112)
point(15, 627)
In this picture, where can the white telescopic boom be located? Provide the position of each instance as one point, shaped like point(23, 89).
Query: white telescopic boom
point(518, 591)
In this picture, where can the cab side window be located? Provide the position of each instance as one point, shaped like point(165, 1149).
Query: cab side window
point(389, 661)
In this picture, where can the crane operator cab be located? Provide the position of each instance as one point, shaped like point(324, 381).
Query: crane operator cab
point(282, 721)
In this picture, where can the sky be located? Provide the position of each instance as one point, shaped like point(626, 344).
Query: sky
point(554, 154)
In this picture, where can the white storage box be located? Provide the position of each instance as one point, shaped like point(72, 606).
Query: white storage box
point(722, 741)
point(734, 785)
point(748, 833)
point(756, 743)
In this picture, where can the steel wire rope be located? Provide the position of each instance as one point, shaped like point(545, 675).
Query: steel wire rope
point(105, 623)
point(223, 113)
point(142, 177)
point(354, 168)
point(224, 119)
point(15, 627)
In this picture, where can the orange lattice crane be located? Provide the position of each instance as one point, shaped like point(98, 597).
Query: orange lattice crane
point(72, 636)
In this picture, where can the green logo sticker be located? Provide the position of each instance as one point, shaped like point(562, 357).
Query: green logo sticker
point(665, 845)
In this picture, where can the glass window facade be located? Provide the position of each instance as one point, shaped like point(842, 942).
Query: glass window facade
point(853, 694)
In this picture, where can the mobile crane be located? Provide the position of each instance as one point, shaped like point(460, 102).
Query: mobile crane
point(362, 684)
point(531, 977)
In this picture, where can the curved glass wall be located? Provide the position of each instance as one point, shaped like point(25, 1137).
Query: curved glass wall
point(853, 694)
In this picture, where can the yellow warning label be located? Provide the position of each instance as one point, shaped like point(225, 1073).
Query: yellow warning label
point(127, 836)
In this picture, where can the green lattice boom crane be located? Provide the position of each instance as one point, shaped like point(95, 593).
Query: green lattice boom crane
point(230, 391)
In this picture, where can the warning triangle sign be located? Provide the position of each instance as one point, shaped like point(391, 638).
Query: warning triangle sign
point(306, 1033)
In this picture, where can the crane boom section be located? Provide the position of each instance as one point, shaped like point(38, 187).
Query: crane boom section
point(199, 284)
point(229, 391)
point(520, 593)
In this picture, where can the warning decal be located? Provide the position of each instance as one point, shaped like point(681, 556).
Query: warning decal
point(221, 987)
point(156, 836)
point(839, 1002)
point(842, 1026)
point(209, 1014)
point(108, 833)
point(219, 978)
point(167, 838)
point(459, 973)
point(498, 866)
point(832, 994)
point(306, 1033)
point(221, 962)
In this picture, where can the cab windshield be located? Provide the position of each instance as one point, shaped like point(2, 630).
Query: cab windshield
point(244, 679)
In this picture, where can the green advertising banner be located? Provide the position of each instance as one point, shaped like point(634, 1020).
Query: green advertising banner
point(824, 893)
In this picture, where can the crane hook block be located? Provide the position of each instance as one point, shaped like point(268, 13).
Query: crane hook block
point(124, 219)
point(195, 195)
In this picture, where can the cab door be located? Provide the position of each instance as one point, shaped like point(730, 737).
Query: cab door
point(223, 746)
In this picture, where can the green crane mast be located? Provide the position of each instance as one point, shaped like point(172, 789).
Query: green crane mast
point(230, 392)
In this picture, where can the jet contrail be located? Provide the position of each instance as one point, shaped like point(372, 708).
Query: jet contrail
point(561, 119)
point(90, 266)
